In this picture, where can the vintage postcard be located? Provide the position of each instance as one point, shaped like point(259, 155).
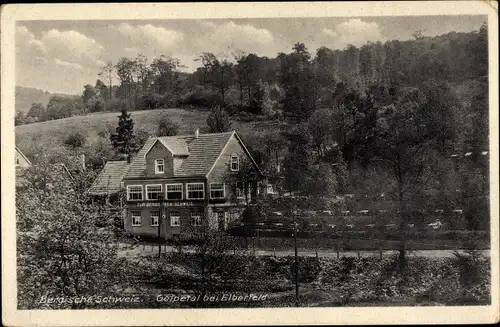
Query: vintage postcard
point(250, 163)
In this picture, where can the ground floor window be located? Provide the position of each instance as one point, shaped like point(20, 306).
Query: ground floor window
point(136, 218)
point(175, 218)
point(222, 220)
point(196, 217)
point(154, 217)
point(239, 190)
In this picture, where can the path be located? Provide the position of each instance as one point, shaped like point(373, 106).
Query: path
point(141, 250)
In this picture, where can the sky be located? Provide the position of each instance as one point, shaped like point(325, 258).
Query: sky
point(63, 56)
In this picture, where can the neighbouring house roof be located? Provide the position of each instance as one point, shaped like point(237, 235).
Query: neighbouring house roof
point(202, 152)
point(109, 179)
point(58, 169)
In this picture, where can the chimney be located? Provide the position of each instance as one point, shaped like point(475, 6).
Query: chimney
point(82, 161)
point(196, 133)
point(128, 158)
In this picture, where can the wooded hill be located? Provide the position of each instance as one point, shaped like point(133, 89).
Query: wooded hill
point(26, 96)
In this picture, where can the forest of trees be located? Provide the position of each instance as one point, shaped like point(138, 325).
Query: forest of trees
point(261, 85)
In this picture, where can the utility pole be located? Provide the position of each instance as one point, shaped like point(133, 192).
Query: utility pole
point(160, 218)
point(296, 260)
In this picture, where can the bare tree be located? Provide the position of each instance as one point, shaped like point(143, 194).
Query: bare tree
point(107, 74)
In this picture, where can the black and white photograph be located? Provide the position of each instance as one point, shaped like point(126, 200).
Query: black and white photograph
point(302, 160)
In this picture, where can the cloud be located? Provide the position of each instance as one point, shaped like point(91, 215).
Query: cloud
point(68, 46)
point(157, 38)
point(356, 32)
point(23, 35)
point(229, 37)
point(72, 46)
point(66, 64)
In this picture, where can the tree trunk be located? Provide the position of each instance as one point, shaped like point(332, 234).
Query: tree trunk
point(110, 89)
point(241, 94)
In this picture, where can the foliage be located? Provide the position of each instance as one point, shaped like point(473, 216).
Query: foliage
point(297, 78)
point(95, 104)
point(19, 118)
point(75, 140)
point(62, 107)
point(202, 96)
point(166, 127)
point(61, 250)
point(116, 105)
point(297, 162)
point(88, 93)
point(218, 120)
point(219, 262)
point(124, 140)
point(38, 111)
point(247, 176)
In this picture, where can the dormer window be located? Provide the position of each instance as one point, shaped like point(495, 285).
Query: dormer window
point(235, 163)
point(159, 166)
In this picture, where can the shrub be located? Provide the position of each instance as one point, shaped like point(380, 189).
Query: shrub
point(201, 96)
point(96, 104)
point(75, 140)
point(218, 121)
point(166, 127)
point(106, 131)
point(116, 105)
point(168, 100)
point(141, 136)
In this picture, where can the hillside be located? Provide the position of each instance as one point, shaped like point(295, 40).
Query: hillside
point(47, 137)
point(25, 96)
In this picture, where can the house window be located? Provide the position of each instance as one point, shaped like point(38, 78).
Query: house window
point(153, 192)
point(159, 166)
point(174, 191)
point(235, 163)
point(217, 191)
point(196, 217)
point(175, 218)
point(134, 192)
point(136, 218)
point(154, 217)
point(239, 190)
point(195, 191)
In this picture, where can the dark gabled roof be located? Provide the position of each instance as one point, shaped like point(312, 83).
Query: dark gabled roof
point(110, 178)
point(203, 153)
point(138, 165)
point(203, 150)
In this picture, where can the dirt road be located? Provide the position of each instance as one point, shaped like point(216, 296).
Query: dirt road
point(141, 250)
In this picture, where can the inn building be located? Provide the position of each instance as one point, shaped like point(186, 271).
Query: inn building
point(176, 184)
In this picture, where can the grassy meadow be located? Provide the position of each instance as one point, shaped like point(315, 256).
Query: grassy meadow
point(46, 137)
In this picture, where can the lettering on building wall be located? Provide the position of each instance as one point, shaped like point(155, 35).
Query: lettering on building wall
point(168, 204)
